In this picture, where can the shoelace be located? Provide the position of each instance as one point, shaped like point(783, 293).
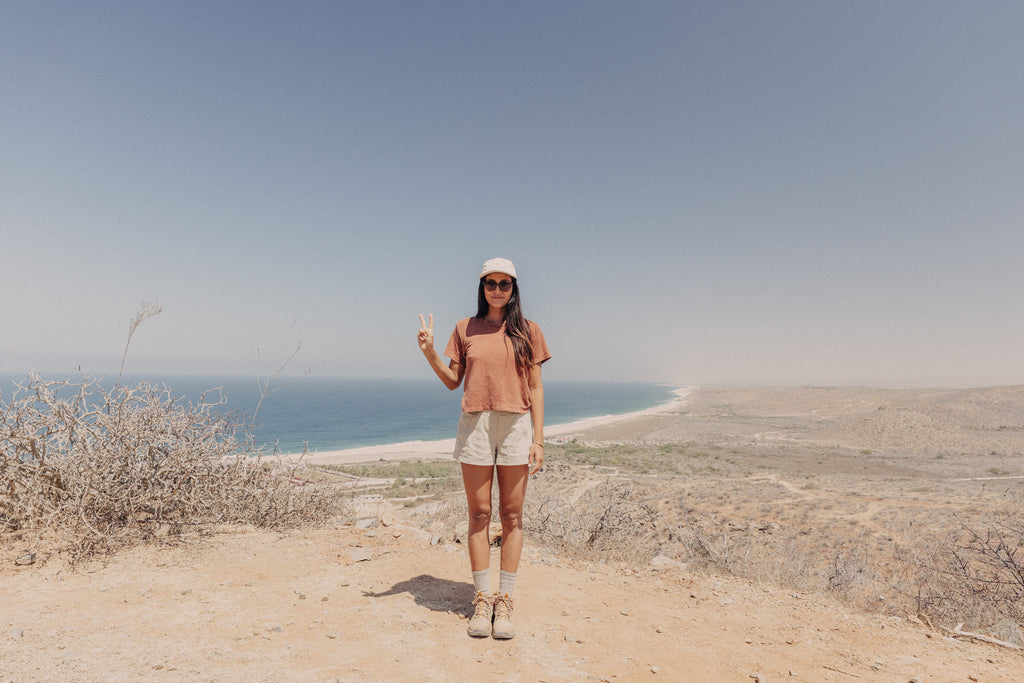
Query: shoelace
point(503, 607)
point(482, 606)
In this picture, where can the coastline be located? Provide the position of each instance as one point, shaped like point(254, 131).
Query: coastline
point(442, 448)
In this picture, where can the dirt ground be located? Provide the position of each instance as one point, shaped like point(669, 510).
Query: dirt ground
point(385, 603)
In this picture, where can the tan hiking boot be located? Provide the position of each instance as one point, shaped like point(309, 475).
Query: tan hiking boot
point(483, 610)
point(503, 626)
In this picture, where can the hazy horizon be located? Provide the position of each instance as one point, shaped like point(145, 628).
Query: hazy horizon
point(716, 194)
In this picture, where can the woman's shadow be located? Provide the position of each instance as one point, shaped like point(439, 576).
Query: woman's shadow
point(439, 595)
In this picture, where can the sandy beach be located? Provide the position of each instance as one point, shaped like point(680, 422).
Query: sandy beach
point(788, 475)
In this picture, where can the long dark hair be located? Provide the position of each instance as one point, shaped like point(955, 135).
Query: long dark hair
point(516, 328)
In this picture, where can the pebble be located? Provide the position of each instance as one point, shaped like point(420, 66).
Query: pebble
point(360, 554)
point(658, 629)
point(26, 559)
point(17, 633)
point(655, 669)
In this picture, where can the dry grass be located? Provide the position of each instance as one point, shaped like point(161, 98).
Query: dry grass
point(88, 470)
point(812, 520)
point(973, 573)
point(611, 521)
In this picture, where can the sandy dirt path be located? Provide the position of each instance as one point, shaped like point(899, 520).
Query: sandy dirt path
point(262, 606)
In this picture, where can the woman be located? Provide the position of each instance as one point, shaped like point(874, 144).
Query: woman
point(498, 353)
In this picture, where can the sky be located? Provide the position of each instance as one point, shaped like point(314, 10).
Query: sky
point(695, 193)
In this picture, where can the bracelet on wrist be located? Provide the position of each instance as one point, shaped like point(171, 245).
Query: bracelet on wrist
point(539, 444)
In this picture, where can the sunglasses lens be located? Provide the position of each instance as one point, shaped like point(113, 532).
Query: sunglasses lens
point(504, 285)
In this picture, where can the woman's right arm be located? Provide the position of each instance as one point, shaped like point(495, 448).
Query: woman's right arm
point(451, 374)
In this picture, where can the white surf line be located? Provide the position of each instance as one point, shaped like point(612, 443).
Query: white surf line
point(569, 427)
point(442, 448)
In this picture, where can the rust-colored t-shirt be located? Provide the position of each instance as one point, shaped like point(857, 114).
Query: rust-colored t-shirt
point(492, 380)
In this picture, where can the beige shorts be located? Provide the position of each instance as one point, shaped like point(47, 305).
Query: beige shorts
point(494, 437)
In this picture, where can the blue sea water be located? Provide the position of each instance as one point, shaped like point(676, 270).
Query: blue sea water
point(332, 414)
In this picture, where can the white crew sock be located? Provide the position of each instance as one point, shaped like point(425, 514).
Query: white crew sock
point(507, 582)
point(482, 581)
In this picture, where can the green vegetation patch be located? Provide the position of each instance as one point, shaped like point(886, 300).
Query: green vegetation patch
point(408, 478)
point(640, 459)
point(405, 469)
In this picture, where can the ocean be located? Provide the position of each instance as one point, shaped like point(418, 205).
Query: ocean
point(333, 414)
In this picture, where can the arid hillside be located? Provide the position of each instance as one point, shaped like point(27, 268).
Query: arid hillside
point(741, 534)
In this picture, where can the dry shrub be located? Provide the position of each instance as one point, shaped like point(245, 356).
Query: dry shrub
point(100, 469)
point(611, 521)
point(785, 556)
point(972, 575)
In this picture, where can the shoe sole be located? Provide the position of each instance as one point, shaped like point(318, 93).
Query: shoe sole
point(499, 635)
point(479, 634)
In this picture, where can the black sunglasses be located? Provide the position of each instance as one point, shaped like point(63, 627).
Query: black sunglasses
point(504, 285)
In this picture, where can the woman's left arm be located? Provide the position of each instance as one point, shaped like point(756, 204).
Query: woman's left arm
point(537, 414)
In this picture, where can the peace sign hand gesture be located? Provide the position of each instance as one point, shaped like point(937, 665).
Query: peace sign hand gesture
point(426, 334)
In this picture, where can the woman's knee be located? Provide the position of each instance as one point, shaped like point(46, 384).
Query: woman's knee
point(479, 518)
point(512, 516)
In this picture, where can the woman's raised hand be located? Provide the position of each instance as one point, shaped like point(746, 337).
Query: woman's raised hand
point(448, 374)
point(426, 335)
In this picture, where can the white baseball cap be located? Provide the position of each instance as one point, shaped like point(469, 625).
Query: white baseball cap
point(499, 265)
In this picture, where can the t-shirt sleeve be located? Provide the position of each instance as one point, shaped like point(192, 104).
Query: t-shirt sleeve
point(540, 346)
point(456, 347)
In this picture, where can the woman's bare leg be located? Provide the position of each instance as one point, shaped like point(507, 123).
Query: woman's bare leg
point(512, 491)
point(477, 479)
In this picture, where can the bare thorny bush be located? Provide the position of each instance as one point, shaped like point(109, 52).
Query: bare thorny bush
point(971, 574)
point(91, 469)
point(105, 468)
point(611, 521)
point(784, 556)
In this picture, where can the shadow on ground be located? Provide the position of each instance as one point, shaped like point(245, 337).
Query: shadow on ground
point(439, 595)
